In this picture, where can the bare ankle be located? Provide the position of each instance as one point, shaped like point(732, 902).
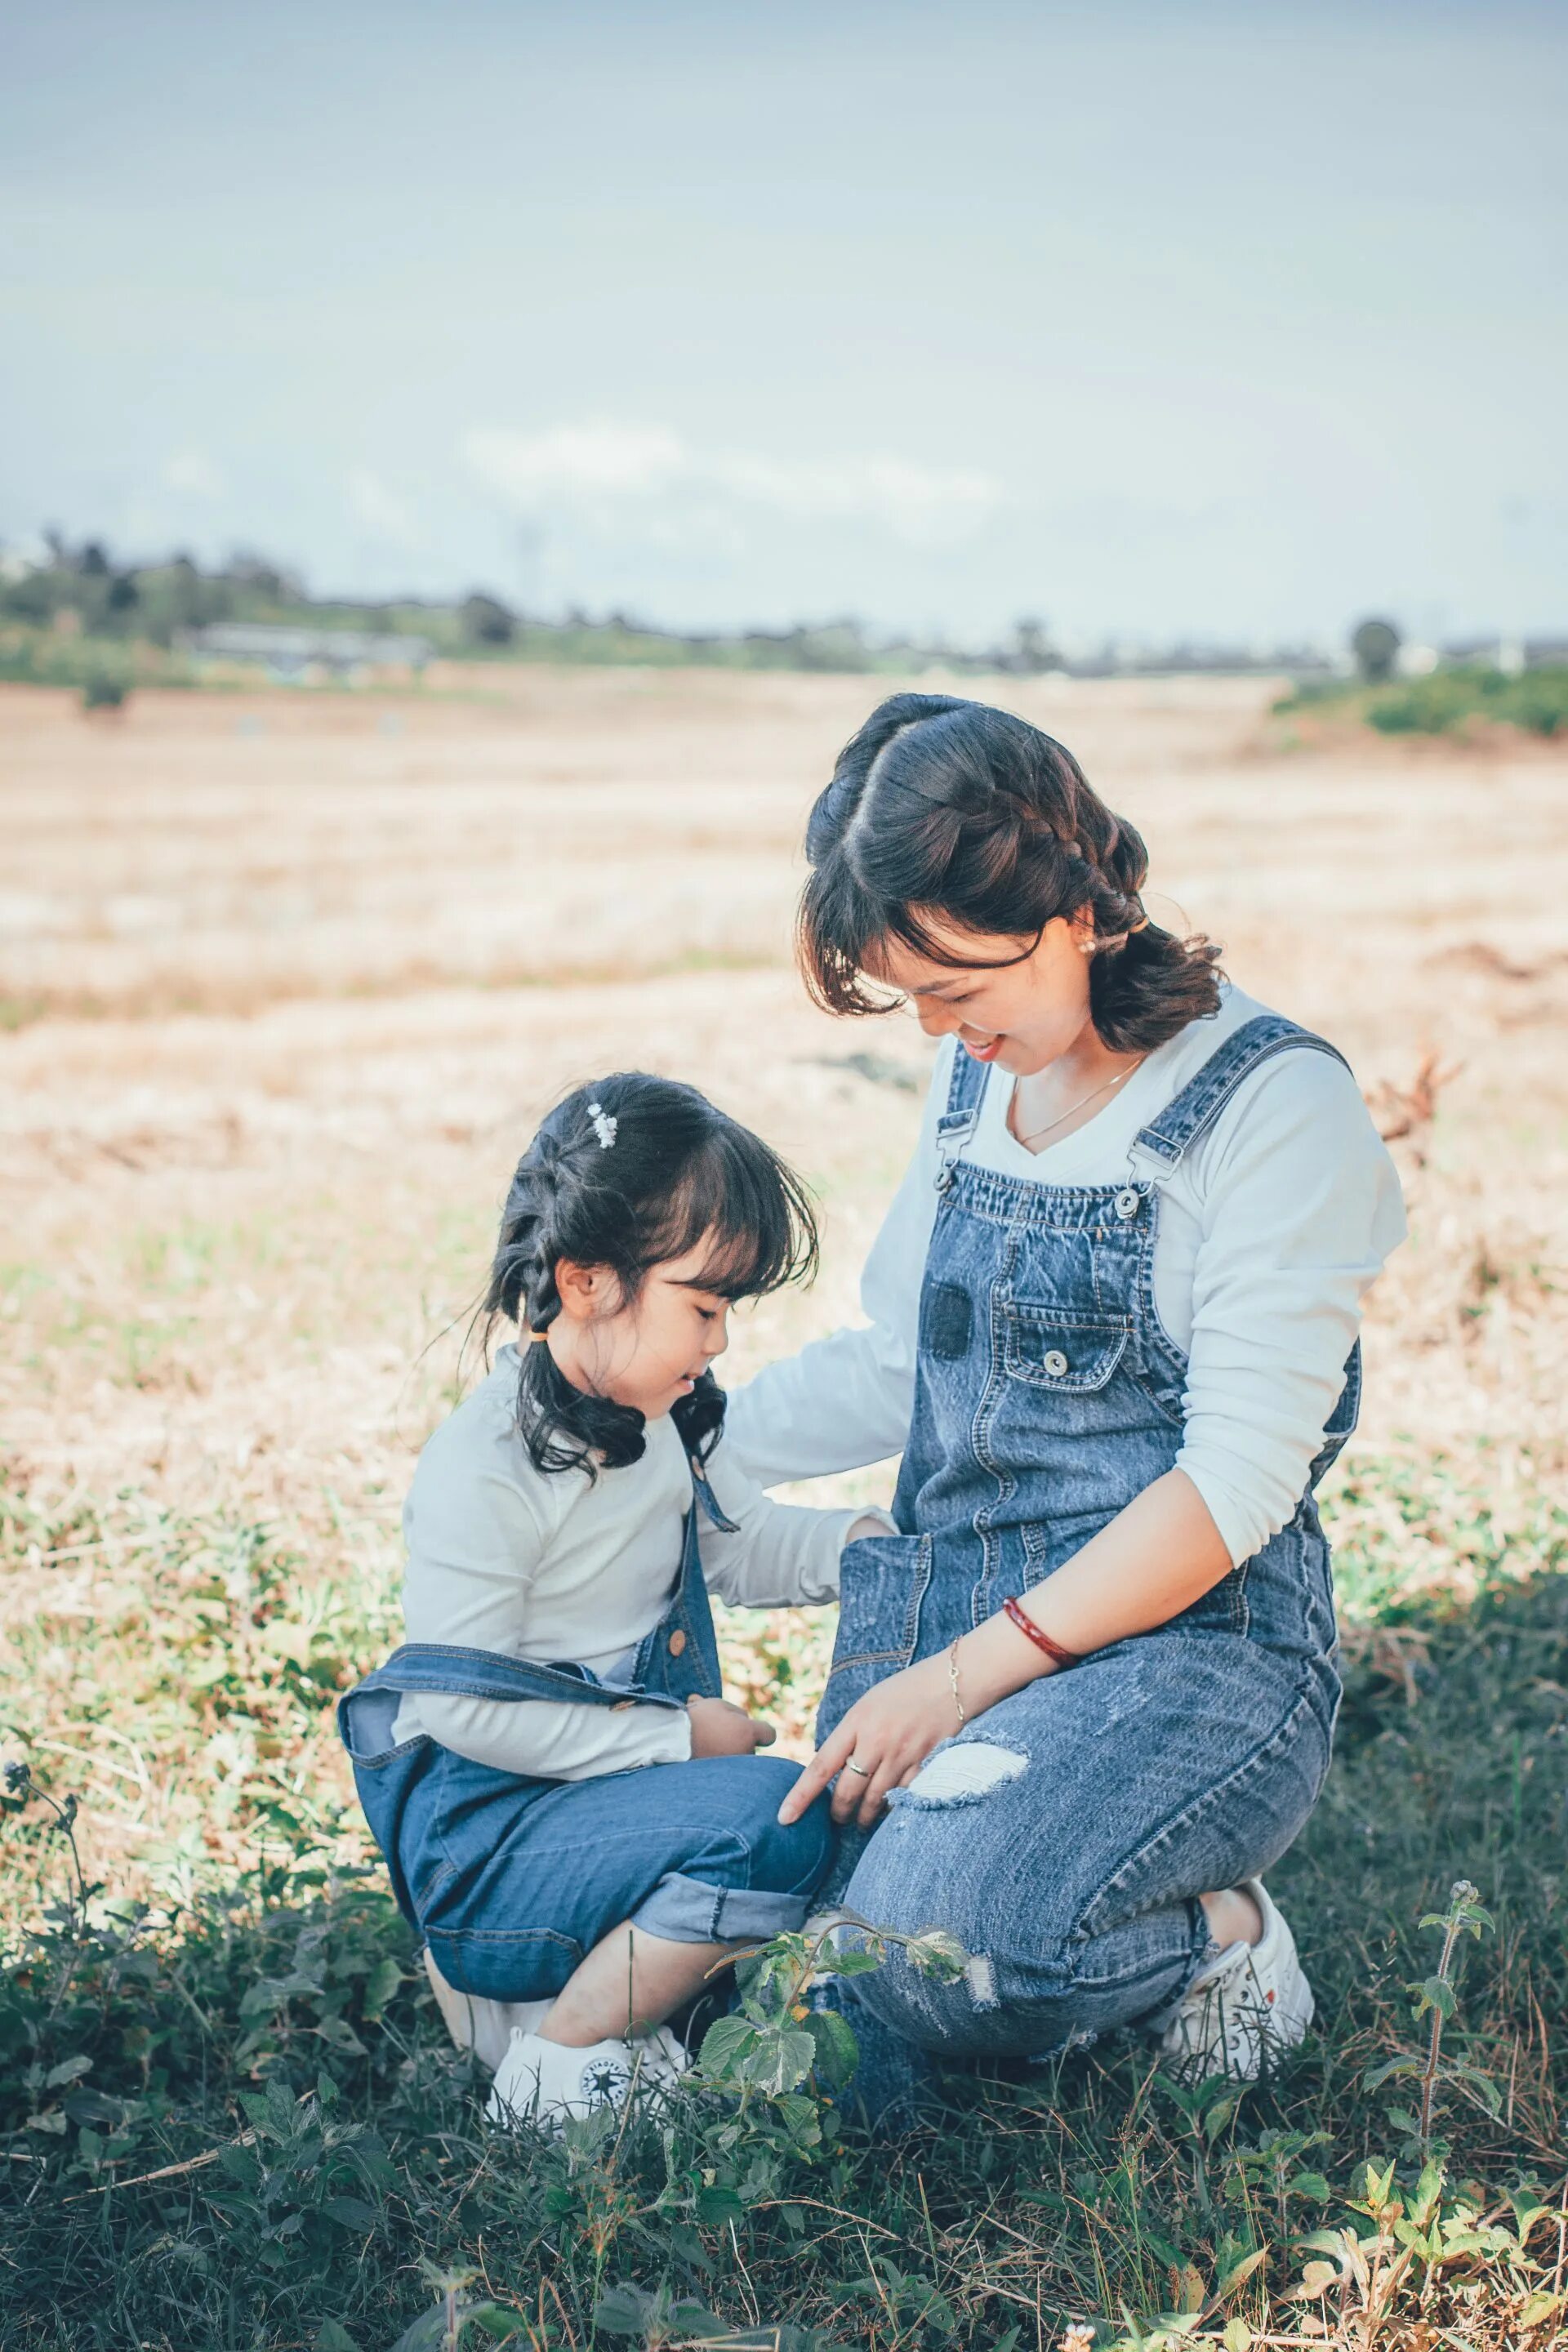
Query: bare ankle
point(571, 2029)
point(1233, 1916)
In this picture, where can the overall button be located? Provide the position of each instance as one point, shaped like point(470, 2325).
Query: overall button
point(1127, 1202)
point(677, 1642)
point(1055, 1363)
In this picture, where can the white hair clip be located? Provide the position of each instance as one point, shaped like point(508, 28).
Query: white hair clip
point(604, 1125)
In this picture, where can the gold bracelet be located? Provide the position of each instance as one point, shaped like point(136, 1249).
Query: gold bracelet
point(952, 1678)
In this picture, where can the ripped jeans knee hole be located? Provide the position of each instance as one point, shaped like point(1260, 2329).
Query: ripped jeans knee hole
point(964, 1772)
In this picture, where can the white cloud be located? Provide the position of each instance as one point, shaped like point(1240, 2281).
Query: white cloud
point(916, 503)
point(578, 460)
point(598, 470)
point(381, 510)
point(193, 473)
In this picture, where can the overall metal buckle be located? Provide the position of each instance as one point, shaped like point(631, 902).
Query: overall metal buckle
point(953, 1130)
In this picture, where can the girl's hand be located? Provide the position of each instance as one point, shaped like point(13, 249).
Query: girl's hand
point(717, 1729)
point(889, 1733)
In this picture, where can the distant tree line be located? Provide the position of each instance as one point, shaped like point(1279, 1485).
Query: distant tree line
point(83, 590)
point(84, 587)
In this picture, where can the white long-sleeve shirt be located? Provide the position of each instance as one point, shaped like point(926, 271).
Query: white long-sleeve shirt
point(1270, 1232)
point(550, 1567)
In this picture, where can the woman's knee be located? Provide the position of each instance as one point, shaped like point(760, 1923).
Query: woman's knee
point(1015, 1953)
point(1009, 1988)
point(938, 1869)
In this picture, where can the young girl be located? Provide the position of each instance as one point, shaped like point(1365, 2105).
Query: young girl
point(574, 1818)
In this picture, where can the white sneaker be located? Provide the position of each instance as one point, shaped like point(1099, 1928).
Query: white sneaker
point(1249, 2003)
point(546, 2081)
point(485, 2027)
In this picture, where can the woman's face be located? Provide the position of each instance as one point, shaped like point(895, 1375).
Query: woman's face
point(1021, 1014)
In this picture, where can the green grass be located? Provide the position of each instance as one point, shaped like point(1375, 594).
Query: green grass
point(1446, 702)
point(251, 2031)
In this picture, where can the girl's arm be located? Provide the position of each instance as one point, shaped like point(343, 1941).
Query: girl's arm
point(1301, 1206)
point(551, 1739)
point(845, 1401)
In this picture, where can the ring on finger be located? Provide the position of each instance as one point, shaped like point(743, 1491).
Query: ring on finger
point(859, 1769)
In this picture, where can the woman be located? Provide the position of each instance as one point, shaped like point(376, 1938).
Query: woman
point(1085, 1697)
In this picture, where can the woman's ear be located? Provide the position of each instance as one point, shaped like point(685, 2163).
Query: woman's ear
point(586, 1292)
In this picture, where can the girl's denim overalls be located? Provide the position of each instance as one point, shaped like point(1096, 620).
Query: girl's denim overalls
point(511, 1880)
point(1066, 1834)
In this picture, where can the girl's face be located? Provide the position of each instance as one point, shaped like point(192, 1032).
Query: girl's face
point(647, 1353)
point(1021, 1014)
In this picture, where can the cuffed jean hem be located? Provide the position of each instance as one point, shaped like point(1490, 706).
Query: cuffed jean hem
point(691, 1911)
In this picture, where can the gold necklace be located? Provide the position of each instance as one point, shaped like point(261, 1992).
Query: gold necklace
point(1035, 1133)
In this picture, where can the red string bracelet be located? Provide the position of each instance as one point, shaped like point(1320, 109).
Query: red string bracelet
point(1041, 1640)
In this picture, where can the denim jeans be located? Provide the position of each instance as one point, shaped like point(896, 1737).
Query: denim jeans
point(525, 1877)
point(511, 1880)
point(1065, 1836)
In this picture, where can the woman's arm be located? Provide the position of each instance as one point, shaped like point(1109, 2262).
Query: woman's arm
point(845, 1401)
point(1156, 1557)
point(1299, 1207)
point(780, 1555)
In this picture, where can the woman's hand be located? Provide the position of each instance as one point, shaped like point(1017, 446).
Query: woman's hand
point(717, 1729)
point(1153, 1560)
point(889, 1733)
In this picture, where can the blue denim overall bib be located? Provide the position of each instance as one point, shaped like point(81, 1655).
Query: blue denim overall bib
point(511, 1879)
point(1066, 1834)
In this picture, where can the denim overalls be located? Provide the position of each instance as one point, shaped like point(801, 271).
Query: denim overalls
point(510, 1880)
point(1064, 1835)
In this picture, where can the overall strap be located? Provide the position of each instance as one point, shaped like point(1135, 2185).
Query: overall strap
point(707, 1498)
point(966, 1093)
point(492, 1674)
point(1164, 1144)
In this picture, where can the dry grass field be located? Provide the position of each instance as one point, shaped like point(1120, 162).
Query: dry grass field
point(285, 981)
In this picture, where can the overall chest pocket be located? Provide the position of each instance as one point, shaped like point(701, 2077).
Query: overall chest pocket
point(1072, 1354)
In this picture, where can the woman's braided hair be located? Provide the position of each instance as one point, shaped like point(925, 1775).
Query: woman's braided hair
point(944, 812)
point(675, 1175)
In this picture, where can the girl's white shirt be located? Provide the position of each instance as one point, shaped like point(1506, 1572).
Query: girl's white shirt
point(549, 1567)
point(1272, 1231)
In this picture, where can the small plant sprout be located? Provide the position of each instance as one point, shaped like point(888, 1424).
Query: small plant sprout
point(1416, 2235)
point(1436, 2000)
point(441, 2329)
point(21, 1788)
point(776, 2039)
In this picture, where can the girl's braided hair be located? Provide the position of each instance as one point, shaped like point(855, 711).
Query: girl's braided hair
point(943, 811)
point(674, 1176)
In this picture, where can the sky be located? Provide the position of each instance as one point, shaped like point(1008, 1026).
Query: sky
point(1167, 321)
